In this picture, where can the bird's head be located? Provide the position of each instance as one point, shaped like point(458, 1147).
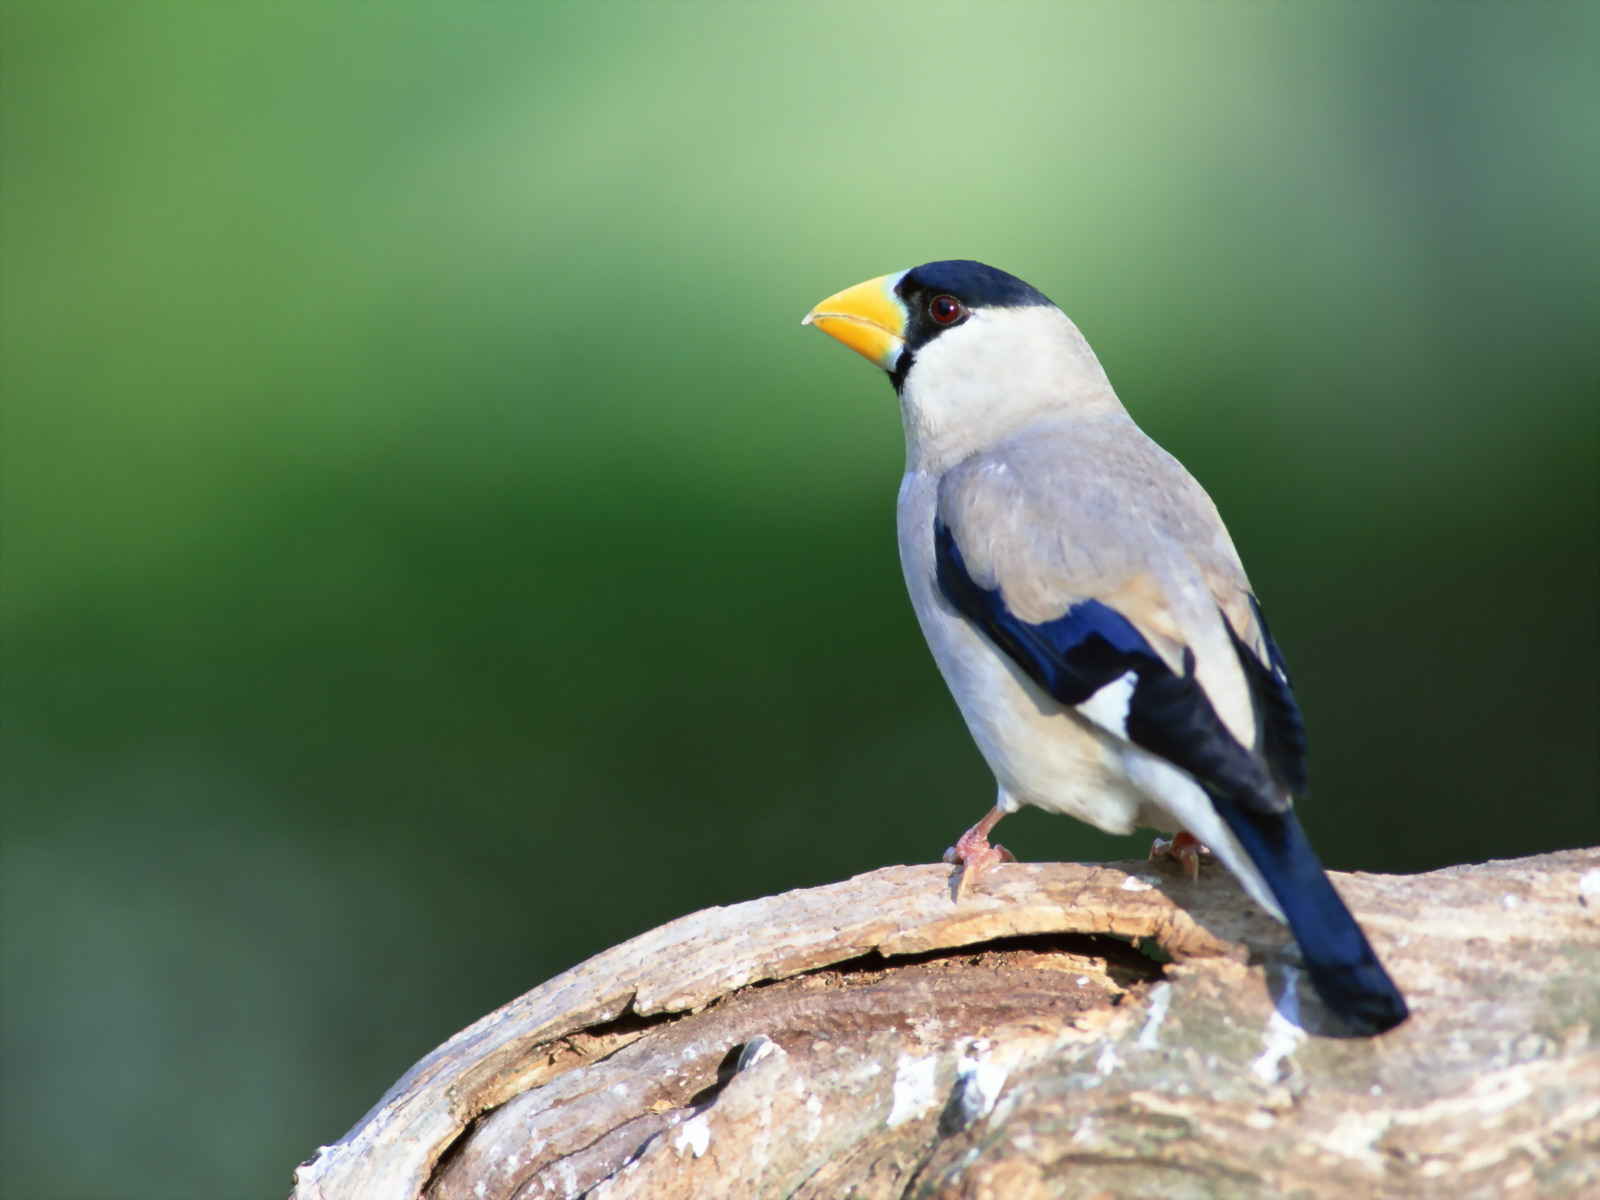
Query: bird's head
point(972, 350)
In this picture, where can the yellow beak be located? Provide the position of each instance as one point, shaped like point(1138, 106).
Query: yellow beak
point(868, 318)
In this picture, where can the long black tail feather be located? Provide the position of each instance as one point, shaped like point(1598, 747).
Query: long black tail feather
point(1341, 962)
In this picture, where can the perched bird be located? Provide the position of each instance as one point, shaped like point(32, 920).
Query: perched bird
point(1086, 606)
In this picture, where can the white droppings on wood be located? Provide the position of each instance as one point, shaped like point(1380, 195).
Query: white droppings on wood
point(1107, 1061)
point(1160, 1001)
point(1284, 1034)
point(693, 1135)
point(1355, 1136)
point(1137, 883)
point(1589, 887)
point(813, 1117)
point(914, 1091)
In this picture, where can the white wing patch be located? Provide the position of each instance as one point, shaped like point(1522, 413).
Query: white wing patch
point(1108, 708)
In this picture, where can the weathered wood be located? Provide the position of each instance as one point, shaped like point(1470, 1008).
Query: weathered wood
point(873, 1038)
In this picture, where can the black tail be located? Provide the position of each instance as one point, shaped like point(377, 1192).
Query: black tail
point(1341, 963)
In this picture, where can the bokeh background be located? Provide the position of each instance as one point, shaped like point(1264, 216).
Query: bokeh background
point(433, 551)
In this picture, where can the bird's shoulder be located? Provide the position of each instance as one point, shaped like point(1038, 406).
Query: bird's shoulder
point(1088, 509)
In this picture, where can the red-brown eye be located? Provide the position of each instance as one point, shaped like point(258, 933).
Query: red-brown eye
point(946, 310)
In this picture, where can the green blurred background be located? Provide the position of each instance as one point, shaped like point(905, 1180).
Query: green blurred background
point(433, 551)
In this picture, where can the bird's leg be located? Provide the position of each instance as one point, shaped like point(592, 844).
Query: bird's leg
point(972, 851)
point(1184, 849)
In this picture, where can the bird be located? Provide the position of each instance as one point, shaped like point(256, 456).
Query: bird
point(1087, 608)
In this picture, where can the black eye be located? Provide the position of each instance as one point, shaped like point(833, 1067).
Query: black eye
point(946, 310)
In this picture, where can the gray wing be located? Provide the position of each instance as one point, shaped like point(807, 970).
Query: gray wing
point(1098, 512)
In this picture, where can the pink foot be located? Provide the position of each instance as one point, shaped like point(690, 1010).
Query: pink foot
point(973, 853)
point(1183, 848)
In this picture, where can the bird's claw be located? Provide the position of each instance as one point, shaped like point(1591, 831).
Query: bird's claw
point(973, 854)
point(1184, 849)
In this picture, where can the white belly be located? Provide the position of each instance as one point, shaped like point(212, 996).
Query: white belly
point(1041, 753)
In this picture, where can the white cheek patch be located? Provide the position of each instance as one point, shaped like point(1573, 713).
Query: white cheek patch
point(1108, 708)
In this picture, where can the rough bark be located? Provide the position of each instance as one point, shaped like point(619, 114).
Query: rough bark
point(1064, 1031)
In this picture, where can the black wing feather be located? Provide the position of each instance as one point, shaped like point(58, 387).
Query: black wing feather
point(1283, 729)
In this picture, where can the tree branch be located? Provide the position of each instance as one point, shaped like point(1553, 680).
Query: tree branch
point(1064, 1030)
